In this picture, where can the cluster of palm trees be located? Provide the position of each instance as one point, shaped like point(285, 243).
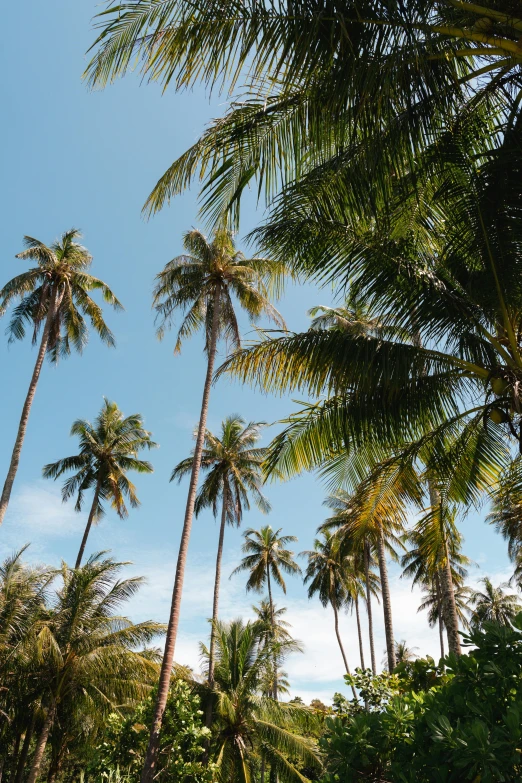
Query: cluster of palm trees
point(388, 143)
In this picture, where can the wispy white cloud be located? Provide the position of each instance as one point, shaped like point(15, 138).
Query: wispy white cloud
point(36, 512)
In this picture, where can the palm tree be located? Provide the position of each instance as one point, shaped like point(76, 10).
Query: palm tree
point(84, 653)
point(55, 295)
point(403, 653)
point(493, 604)
point(434, 560)
point(247, 722)
point(367, 89)
point(201, 284)
point(275, 680)
point(360, 581)
point(108, 449)
point(233, 465)
point(450, 398)
point(23, 596)
point(265, 558)
point(372, 518)
point(432, 603)
point(325, 574)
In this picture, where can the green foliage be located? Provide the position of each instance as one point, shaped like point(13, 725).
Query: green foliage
point(426, 725)
point(183, 738)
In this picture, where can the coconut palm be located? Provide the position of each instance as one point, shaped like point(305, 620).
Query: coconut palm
point(23, 595)
point(325, 575)
point(266, 557)
point(449, 398)
point(233, 466)
point(359, 581)
point(54, 299)
point(248, 723)
point(431, 601)
point(109, 448)
point(202, 284)
point(436, 550)
point(372, 518)
point(85, 653)
point(275, 680)
point(403, 653)
point(366, 88)
point(493, 604)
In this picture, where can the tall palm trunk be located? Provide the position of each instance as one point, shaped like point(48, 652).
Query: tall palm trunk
point(451, 619)
point(386, 601)
point(54, 304)
point(149, 767)
point(336, 621)
point(25, 751)
point(41, 744)
point(359, 630)
point(369, 605)
point(440, 614)
point(272, 622)
point(215, 606)
point(92, 514)
point(450, 608)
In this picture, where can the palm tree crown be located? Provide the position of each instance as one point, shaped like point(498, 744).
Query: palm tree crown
point(233, 466)
point(109, 448)
point(266, 556)
point(206, 277)
point(60, 277)
point(493, 604)
point(247, 722)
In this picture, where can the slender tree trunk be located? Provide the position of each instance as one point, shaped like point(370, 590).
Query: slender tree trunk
point(92, 514)
point(25, 750)
point(450, 608)
point(26, 410)
point(215, 606)
point(386, 602)
point(217, 582)
point(149, 767)
point(336, 621)
point(41, 744)
point(359, 631)
point(272, 621)
point(451, 619)
point(440, 613)
point(14, 758)
point(263, 767)
point(369, 605)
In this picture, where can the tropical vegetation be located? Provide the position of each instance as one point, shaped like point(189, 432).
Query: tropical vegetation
point(385, 141)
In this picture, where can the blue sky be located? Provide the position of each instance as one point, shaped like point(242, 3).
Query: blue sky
point(75, 158)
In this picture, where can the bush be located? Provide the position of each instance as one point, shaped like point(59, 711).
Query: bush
point(183, 738)
point(433, 724)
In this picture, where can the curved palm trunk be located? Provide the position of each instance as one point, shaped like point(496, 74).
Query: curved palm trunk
point(215, 606)
point(149, 767)
point(336, 620)
point(359, 631)
point(26, 410)
point(90, 520)
point(386, 602)
point(41, 744)
point(272, 620)
point(369, 606)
